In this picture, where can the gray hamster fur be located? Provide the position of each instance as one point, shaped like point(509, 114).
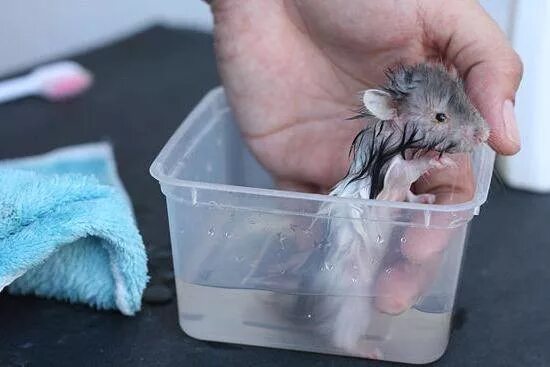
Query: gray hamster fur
point(421, 108)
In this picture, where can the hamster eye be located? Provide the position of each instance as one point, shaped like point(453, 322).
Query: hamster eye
point(440, 117)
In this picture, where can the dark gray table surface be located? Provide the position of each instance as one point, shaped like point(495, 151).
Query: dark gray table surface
point(145, 86)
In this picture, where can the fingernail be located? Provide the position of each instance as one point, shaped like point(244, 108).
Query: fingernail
point(510, 125)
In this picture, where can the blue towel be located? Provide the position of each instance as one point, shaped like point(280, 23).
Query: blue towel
point(67, 230)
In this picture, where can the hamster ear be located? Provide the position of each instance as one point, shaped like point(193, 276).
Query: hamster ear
point(379, 103)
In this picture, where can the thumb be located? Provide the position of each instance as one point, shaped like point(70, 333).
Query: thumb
point(474, 44)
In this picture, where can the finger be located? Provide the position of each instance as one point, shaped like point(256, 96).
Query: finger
point(491, 68)
point(400, 285)
point(451, 185)
point(422, 247)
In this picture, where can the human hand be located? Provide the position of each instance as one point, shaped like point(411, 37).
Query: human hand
point(292, 70)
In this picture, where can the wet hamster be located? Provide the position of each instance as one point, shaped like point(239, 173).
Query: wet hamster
point(411, 122)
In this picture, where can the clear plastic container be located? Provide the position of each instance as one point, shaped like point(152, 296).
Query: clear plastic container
point(247, 257)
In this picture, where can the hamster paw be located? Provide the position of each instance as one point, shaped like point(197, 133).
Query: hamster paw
point(421, 199)
point(443, 162)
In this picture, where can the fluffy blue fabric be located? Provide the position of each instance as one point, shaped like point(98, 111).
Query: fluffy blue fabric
point(67, 230)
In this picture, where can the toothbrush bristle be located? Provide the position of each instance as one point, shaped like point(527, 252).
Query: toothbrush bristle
point(67, 86)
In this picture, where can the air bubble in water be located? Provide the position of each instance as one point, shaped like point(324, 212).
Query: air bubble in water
point(379, 239)
point(403, 239)
point(354, 280)
point(309, 316)
point(328, 266)
point(283, 271)
point(228, 235)
point(211, 231)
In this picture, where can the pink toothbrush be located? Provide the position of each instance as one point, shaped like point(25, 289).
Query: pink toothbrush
point(55, 82)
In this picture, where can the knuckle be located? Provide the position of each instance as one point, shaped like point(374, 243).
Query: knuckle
point(516, 64)
point(513, 66)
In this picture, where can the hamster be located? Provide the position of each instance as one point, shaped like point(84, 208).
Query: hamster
point(421, 109)
point(411, 122)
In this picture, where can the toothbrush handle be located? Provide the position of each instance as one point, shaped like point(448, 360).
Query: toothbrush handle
point(17, 88)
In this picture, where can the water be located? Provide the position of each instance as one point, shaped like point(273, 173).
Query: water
point(272, 319)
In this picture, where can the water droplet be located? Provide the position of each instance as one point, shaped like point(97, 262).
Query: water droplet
point(283, 271)
point(354, 280)
point(309, 316)
point(282, 239)
point(194, 197)
point(456, 220)
point(328, 266)
point(211, 231)
point(228, 235)
point(379, 239)
point(403, 239)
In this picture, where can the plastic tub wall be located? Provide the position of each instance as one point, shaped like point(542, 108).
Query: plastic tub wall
point(240, 249)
